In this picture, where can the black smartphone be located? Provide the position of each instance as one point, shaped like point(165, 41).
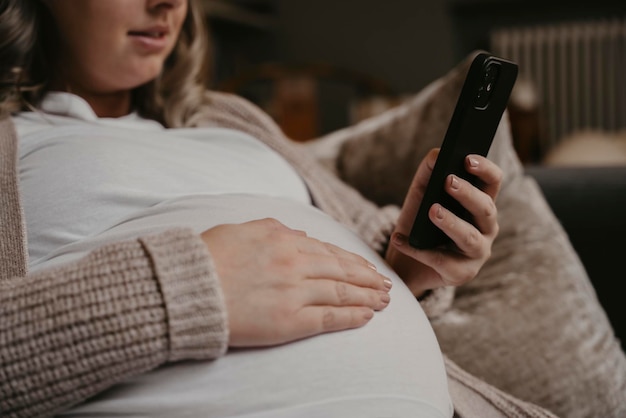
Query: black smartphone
point(479, 108)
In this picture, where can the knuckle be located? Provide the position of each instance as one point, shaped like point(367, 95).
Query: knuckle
point(329, 320)
point(439, 259)
point(498, 175)
point(272, 223)
point(267, 221)
point(462, 275)
point(346, 268)
point(491, 211)
point(494, 231)
point(451, 221)
point(342, 293)
point(329, 248)
point(472, 239)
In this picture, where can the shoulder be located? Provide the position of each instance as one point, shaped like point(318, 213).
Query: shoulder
point(224, 103)
point(233, 111)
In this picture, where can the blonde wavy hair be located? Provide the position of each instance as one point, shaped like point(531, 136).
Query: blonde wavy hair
point(26, 49)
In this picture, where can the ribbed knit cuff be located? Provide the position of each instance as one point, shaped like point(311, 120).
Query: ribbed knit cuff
point(196, 312)
point(13, 251)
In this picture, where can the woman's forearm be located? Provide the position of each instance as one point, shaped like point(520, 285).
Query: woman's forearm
point(69, 332)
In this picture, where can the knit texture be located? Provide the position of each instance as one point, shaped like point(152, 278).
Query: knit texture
point(13, 252)
point(71, 332)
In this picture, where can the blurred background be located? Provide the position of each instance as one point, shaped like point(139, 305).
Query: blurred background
point(319, 65)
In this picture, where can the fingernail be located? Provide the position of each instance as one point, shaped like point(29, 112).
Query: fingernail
point(387, 284)
point(369, 314)
point(473, 162)
point(454, 183)
point(385, 298)
point(439, 213)
point(372, 266)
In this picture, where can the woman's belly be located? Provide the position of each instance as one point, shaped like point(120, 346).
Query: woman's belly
point(392, 367)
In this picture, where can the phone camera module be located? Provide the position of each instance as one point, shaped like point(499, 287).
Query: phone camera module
point(485, 89)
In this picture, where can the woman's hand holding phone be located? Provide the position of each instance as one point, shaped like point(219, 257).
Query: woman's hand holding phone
point(456, 264)
point(449, 219)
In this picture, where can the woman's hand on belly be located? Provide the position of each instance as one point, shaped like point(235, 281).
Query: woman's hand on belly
point(281, 285)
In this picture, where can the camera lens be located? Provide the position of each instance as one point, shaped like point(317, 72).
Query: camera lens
point(491, 72)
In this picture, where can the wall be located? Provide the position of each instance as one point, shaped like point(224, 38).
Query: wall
point(400, 44)
point(405, 43)
point(408, 43)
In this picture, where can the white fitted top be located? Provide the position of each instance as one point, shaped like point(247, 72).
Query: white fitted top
point(99, 172)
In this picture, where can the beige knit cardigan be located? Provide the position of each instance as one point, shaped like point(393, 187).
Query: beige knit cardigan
point(69, 332)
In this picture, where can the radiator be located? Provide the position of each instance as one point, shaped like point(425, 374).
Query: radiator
point(578, 70)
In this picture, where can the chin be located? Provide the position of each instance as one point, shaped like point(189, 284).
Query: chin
point(143, 74)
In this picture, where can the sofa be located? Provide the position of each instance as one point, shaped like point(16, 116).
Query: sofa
point(590, 204)
point(531, 322)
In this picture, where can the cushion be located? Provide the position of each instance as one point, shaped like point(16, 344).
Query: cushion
point(530, 322)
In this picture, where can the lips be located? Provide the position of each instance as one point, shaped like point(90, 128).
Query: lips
point(153, 31)
point(149, 34)
point(150, 39)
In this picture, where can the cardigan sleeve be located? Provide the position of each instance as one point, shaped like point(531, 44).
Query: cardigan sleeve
point(72, 331)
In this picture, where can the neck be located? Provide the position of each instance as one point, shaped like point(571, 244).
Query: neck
point(111, 105)
point(105, 105)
